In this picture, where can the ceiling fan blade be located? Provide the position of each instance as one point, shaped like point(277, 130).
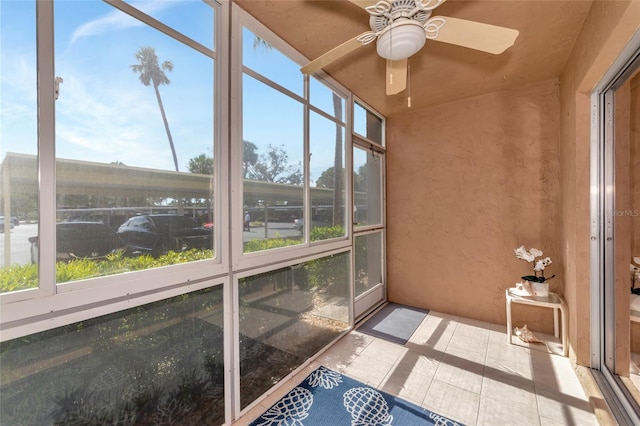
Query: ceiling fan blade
point(333, 55)
point(363, 3)
point(475, 35)
point(396, 76)
point(428, 4)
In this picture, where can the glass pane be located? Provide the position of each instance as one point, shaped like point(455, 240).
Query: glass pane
point(161, 363)
point(260, 55)
point(134, 136)
point(627, 225)
point(18, 145)
point(367, 124)
point(322, 97)
point(367, 187)
point(368, 263)
point(195, 18)
point(634, 190)
point(327, 179)
point(273, 187)
point(288, 315)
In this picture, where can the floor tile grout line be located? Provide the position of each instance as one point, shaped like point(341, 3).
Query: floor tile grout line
point(451, 335)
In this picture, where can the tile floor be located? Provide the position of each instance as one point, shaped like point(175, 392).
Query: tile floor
point(463, 369)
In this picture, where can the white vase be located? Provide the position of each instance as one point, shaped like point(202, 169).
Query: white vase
point(540, 289)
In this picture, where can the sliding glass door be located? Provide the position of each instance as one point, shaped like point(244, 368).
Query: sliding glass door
point(616, 241)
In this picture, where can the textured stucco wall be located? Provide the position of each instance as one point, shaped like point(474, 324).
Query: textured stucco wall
point(468, 182)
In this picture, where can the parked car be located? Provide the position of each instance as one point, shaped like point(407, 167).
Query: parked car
point(15, 221)
point(81, 240)
point(156, 234)
point(2, 224)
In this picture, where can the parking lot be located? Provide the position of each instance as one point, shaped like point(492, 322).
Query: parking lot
point(20, 245)
point(21, 248)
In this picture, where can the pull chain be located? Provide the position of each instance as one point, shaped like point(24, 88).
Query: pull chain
point(408, 83)
point(391, 54)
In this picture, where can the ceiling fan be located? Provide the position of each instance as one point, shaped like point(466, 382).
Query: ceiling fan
point(401, 28)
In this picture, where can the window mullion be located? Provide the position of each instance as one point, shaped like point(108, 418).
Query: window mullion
point(46, 146)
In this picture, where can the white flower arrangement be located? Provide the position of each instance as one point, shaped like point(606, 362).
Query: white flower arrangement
point(635, 276)
point(539, 266)
point(634, 270)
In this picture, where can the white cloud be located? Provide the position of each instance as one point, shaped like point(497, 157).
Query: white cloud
point(110, 124)
point(112, 21)
point(117, 20)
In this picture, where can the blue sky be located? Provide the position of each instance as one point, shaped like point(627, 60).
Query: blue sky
point(105, 114)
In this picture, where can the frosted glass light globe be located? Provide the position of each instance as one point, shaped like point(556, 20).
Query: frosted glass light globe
point(401, 40)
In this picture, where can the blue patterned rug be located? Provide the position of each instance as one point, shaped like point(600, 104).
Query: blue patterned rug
point(326, 397)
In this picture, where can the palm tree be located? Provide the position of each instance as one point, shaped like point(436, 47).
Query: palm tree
point(152, 73)
point(338, 185)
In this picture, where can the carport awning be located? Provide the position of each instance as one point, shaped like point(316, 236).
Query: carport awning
point(101, 179)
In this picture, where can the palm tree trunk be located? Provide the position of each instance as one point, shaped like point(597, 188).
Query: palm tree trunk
point(166, 127)
point(173, 148)
point(337, 165)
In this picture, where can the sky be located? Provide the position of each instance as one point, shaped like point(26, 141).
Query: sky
point(105, 114)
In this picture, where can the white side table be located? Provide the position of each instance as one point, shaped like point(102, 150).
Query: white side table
point(553, 301)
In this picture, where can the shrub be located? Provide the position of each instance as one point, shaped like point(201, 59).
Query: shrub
point(22, 277)
point(326, 232)
point(272, 243)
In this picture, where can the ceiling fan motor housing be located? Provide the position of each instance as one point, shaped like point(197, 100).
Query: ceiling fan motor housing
point(401, 40)
point(399, 25)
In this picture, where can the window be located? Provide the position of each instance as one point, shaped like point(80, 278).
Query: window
point(273, 145)
point(368, 210)
point(134, 130)
point(276, 170)
point(122, 192)
point(327, 163)
point(367, 124)
point(369, 262)
point(18, 146)
point(160, 363)
point(288, 315)
point(367, 186)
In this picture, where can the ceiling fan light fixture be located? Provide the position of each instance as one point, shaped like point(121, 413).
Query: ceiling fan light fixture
point(401, 40)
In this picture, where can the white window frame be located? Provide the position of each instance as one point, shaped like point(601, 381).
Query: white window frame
point(246, 261)
point(372, 298)
point(51, 304)
point(235, 390)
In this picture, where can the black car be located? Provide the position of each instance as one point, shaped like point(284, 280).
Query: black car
point(2, 224)
point(81, 240)
point(156, 234)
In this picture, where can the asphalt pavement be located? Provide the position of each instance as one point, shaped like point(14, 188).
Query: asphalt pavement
point(20, 252)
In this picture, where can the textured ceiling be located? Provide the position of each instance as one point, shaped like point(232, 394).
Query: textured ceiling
point(440, 72)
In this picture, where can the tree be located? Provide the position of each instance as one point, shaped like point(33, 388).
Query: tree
point(201, 164)
point(260, 42)
point(249, 158)
point(326, 179)
point(152, 73)
point(273, 166)
point(360, 179)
